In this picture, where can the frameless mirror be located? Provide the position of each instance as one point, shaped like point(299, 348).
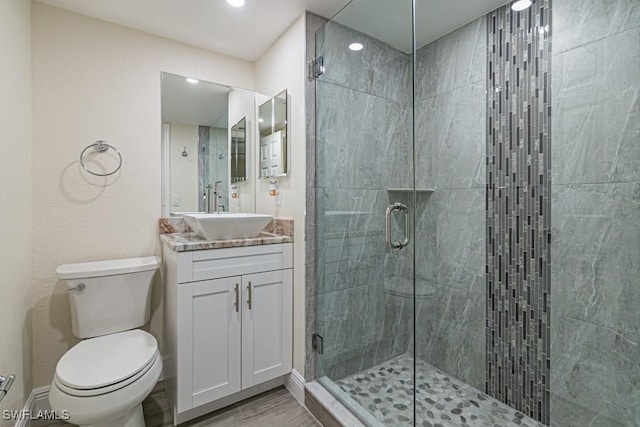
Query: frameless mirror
point(238, 151)
point(272, 122)
point(203, 151)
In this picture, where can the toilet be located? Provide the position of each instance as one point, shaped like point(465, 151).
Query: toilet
point(103, 380)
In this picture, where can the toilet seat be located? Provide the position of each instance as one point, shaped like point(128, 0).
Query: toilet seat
point(105, 364)
point(108, 389)
point(108, 409)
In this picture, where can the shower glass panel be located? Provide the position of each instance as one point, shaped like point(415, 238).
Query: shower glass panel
point(516, 299)
point(365, 192)
point(450, 112)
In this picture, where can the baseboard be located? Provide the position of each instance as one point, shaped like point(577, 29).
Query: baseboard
point(41, 399)
point(294, 382)
point(29, 405)
point(38, 400)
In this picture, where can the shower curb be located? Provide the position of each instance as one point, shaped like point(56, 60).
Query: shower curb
point(329, 410)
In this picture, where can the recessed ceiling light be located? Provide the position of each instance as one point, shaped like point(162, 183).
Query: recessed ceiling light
point(356, 46)
point(520, 5)
point(193, 81)
point(236, 3)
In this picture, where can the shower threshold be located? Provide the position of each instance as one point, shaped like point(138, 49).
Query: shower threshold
point(386, 392)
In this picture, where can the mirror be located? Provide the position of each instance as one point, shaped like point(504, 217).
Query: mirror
point(205, 135)
point(272, 123)
point(238, 151)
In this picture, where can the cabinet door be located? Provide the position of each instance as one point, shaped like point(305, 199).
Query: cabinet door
point(267, 311)
point(210, 357)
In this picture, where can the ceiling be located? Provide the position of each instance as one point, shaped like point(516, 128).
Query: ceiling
point(390, 20)
point(185, 103)
point(244, 33)
point(247, 32)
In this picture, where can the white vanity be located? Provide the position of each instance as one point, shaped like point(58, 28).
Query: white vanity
point(227, 319)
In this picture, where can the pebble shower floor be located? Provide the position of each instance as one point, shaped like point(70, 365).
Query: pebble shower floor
point(386, 391)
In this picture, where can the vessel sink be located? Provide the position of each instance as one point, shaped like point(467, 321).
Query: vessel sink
point(226, 225)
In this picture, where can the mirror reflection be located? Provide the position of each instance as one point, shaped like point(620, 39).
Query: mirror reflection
point(238, 151)
point(204, 145)
point(272, 122)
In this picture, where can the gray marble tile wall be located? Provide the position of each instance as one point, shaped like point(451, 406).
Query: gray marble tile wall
point(363, 146)
point(595, 345)
point(450, 115)
point(364, 131)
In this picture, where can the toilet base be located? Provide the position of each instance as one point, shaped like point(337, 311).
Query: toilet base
point(133, 418)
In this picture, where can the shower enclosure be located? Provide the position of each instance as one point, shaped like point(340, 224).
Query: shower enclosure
point(212, 162)
point(475, 232)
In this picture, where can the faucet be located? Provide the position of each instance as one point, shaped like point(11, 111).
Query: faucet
point(216, 195)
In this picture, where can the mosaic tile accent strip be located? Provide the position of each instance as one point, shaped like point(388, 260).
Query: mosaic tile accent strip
point(518, 206)
point(386, 391)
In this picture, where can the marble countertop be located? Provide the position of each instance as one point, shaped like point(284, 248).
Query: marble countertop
point(181, 242)
point(178, 237)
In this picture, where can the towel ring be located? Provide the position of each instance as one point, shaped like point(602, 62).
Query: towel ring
point(100, 147)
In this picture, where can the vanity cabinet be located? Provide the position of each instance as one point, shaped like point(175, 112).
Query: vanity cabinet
point(211, 331)
point(228, 325)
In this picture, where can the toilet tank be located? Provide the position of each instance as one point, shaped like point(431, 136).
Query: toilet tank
point(109, 296)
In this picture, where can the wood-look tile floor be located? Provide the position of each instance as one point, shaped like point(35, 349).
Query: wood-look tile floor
point(274, 408)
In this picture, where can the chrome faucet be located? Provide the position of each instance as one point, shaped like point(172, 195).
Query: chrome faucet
point(213, 196)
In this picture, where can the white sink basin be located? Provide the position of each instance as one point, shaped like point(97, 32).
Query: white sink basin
point(225, 225)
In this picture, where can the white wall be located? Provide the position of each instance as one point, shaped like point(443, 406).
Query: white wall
point(184, 170)
point(15, 200)
point(283, 67)
point(94, 80)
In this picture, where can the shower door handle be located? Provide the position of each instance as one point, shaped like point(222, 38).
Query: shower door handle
point(397, 206)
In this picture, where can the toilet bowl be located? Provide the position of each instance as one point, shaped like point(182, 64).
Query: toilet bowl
point(102, 380)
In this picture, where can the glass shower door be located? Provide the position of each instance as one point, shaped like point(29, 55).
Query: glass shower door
point(365, 209)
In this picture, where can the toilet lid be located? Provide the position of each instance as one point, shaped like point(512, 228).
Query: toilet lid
point(103, 361)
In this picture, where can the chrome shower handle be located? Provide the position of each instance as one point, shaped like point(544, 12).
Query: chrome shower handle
point(397, 206)
point(387, 225)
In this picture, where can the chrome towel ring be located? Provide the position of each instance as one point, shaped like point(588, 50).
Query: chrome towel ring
point(101, 147)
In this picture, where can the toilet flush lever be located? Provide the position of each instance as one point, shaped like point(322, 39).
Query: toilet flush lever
point(78, 288)
point(5, 385)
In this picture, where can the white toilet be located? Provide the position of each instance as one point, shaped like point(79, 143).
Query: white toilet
point(103, 380)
